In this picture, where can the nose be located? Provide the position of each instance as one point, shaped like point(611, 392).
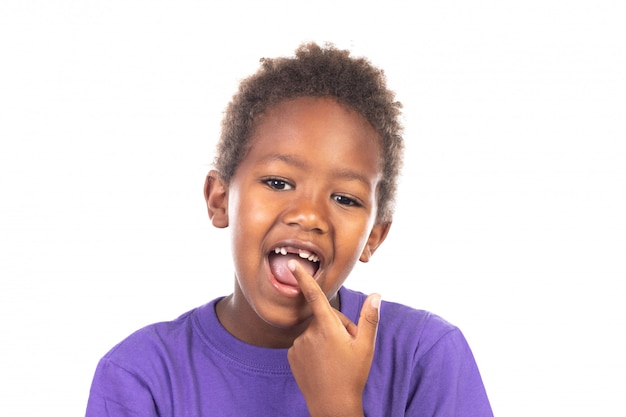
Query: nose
point(309, 213)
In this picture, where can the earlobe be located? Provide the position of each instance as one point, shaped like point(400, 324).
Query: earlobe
point(377, 236)
point(216, 196)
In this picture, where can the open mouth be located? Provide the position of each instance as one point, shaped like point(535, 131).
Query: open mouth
point(279, 257)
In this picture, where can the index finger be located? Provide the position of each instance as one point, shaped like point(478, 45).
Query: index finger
point(311, 290)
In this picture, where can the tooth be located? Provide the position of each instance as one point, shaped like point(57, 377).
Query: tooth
point(283, 251)
point(304, 255)
point(277, 250)
point(313, 258)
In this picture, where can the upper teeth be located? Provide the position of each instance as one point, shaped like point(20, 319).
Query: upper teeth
point(301, 253)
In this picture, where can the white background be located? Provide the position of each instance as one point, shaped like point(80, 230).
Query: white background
point(510, 221)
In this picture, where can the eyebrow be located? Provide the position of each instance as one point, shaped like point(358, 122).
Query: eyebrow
point(286, 158)
point(297, 162)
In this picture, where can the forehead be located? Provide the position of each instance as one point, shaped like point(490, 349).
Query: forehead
point(317, 127)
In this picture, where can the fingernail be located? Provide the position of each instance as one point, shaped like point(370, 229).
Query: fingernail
point(375, 301)
point(291, 264)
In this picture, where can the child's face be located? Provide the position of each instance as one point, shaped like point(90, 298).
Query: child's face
point(307, 187)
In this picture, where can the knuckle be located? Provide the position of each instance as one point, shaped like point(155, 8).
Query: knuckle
point(310, 295)
point(372, 318)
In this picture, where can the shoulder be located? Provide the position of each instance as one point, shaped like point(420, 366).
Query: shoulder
point(421, 328)
point(123, 375)
point(396, 315)
point(406, 327)
point(422, 364)
point(149, 357)
point(153, 343)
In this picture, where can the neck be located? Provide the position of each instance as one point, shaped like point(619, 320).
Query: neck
point(243, 322)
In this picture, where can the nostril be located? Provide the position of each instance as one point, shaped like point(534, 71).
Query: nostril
point(309, 226)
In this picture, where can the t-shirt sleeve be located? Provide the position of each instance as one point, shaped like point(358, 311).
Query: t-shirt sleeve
point(116, 392)
point(448, 382)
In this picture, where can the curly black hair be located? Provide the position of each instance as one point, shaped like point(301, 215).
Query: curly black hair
point(317, 72)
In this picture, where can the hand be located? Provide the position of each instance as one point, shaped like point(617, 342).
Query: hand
point(332, 358)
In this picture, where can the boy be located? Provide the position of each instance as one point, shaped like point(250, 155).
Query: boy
point(305, 178)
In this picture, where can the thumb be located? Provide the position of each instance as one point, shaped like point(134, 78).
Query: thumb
point(369, 318)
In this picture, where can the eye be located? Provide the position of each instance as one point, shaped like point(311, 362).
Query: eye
point(346, 201)
point(278, 184)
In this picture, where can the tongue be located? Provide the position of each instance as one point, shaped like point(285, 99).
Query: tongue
point(278, 266)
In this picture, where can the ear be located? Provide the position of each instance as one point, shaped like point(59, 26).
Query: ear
point(377, 236)
point(216, 196)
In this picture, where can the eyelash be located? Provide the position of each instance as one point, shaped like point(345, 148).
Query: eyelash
point(279, 184)
point(347, 201)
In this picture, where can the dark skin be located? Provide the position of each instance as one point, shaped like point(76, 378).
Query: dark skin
point(308, 183)
point(329, 347)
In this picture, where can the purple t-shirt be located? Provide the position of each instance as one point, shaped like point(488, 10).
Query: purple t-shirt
point(193, 367)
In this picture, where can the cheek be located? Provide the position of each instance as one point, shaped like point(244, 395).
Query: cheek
point(248, 213)
point(253, 219)
point(352, 239)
